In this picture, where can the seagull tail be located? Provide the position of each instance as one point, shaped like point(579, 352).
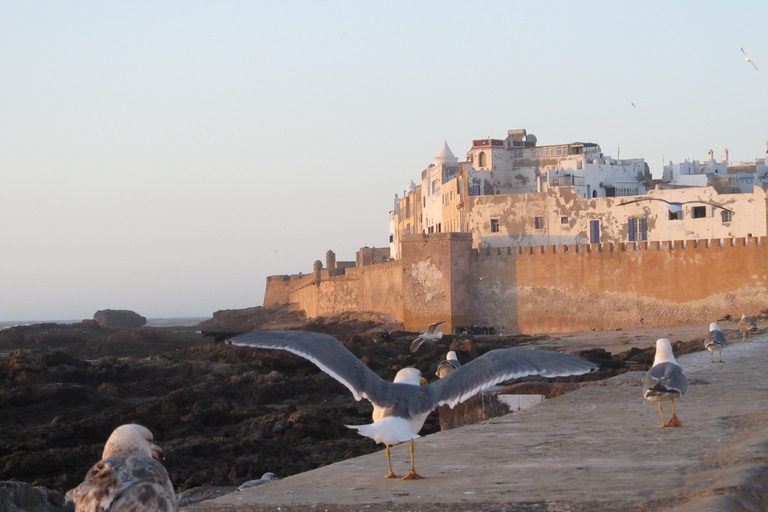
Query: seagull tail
point(389, 430)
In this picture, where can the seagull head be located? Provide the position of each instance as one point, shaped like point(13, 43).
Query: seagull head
point(410, 376)
point(714, 326)
point(131, 439)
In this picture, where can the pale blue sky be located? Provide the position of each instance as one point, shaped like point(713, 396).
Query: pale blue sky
point(167, 156)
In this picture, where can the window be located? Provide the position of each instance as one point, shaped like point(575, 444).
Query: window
point(676, 215)
point(699, 212)
point(638, 229)
point(494, 225)
point(391, 238)
point(481, 159)
point(538, 223)
point(726, 215)
point(563, 220)
point(594, 231)
point(474, 190)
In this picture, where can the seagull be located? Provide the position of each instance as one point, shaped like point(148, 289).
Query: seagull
point(447, 365)
point(401, 407)
point(265, 479)
point(747, 326)
point(127, 477)
point(674, 205)
point(746, 58)
point(430, 335)
point(665, 381)
point(714, 340)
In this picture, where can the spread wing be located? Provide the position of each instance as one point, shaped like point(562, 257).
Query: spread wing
point(500, 365)
point(328, 354)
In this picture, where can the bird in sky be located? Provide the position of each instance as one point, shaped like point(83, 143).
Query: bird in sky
point(746, 58)
point(430, 335)
point(747, 326)
point(127, 478)
point(715, 340)
point(447, 365)
point(674, 206)
point(401, 407)
point(665, 381)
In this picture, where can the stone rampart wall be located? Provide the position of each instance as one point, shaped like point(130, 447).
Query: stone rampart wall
point(585, 287)
point(546, 289)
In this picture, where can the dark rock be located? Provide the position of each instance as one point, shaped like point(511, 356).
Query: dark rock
point(119, 318)
point(22, 497)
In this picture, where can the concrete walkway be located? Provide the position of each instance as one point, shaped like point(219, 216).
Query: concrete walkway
point(596, 449)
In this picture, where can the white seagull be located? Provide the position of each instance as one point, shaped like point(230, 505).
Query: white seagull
point(447, 365)
point(746, 58)
point(715, 340)
point(747, 326)
point(430, 335)
point(665, 381)
point(674, 206)
point(401, 407)
point(127, 477)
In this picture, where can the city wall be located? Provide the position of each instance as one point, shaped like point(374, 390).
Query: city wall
point(552, 289)
point(545, 289)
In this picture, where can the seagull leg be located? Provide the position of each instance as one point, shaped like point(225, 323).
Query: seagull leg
point(412, 475)
point(673, 421)
point(720, 353)
point(661, 411)
point(389, 463)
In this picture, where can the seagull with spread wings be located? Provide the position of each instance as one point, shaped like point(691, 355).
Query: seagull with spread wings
point(746, 58)
point(401, 407)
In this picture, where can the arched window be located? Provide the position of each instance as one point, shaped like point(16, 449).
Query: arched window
point(481, 159)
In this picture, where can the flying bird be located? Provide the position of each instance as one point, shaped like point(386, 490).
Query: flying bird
point(127, 477)
point(715, 340)
point(665, 381)
point(447, 365)
point(401, 407)
point(746, 58)
point(747, 326)
point(674, 206)
point(430, 335)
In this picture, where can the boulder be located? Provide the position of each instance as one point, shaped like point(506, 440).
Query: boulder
point(119, 319)
point(22, 497)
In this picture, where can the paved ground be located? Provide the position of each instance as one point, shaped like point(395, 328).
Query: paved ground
point(597, 449)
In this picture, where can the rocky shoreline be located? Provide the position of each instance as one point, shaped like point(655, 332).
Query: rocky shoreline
point(222, 414)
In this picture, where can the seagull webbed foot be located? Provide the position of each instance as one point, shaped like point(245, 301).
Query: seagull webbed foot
point(674, 422)
point(412, 475)
point(392, 475)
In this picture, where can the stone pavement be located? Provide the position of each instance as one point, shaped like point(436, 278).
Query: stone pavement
point(596, 449)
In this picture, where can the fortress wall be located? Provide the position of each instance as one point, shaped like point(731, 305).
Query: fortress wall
point(376, 287)
point(435, 271)
point(586, 287)
point(381, 288)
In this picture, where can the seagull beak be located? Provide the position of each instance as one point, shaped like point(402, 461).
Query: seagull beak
point(157, 452)
point(423, 381)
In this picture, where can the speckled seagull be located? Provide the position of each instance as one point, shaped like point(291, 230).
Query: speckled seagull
point(665, 381)
point(747, 326)
point(447, 365)
point(127, 478)
point(401, 407)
